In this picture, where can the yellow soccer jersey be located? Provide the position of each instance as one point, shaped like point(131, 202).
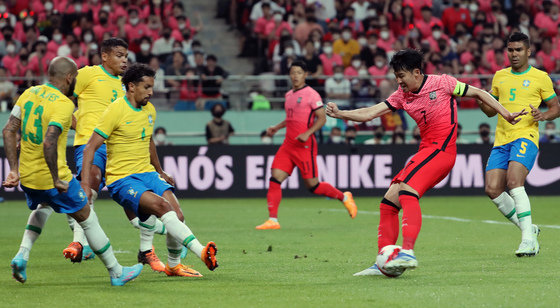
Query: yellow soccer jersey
point(38, 107)
point(95, 89)
point(127, 131)
point(516, 91)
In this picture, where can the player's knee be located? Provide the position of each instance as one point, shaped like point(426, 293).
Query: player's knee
point(162, 206)
point(313, 188)
point(274, 180)
point(492, 191)
point(514, 183)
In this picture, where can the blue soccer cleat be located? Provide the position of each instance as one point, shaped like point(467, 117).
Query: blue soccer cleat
point(401, 262)
point(128, 274)
point(370, 271)
point(87, 253)
point(18, 268)
point(184, 252)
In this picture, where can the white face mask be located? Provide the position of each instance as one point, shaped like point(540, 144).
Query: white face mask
point(436, 34)
point(371, 13)
point(335, 37)
point(10, 49)
point(88, 37)
point(277, 17)
point(356, 63)
point(78, 7)
point(549, 132)
point(338, 76)
point(159, 137)
point(29, 22)
point(532, 61)
point(134, 21)
point(362, 72)
point(336, 139)
point(93, 46)
point(346, 36)
point(57, 37)
point(289, 52)
point(327, 49)
point(2, 8)
point(468, 68)
point(473, 7)
point(181, 26)
point(106, 8)
point(362, 41)
point(266, 140)
point(384, 35)
point(317, 45)
point(372, 46)
point(379, 64)
point(48, 6)
point(525, 23)
point(145, 47)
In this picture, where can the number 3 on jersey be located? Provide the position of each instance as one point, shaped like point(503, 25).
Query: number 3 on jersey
point(114, 96)
point(36, 137)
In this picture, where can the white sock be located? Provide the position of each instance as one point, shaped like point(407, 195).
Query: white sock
point(93, 197)
point(275, 219)
point(160, 227)
point(174, 248)
point(523, 208)
point(100, 244)
point(134, 222)
point(71, 222)
point(147, 231)
point(506, 206)
point(180, 232)
point(35, 224)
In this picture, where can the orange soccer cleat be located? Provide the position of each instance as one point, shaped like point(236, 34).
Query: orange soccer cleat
point(181, 270)
point(268, 225)
point(350, 205)
point(208, 256)
point(73, 252)
point(149, 257)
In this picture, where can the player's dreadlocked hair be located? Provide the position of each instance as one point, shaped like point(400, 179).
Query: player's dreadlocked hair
point(136, 72)
point(519, 37)
point(110, 43)
point(407, 60)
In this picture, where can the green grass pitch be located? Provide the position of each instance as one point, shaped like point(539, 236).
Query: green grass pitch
point(465, 253)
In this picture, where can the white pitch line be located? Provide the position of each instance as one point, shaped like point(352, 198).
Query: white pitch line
point(451, 218)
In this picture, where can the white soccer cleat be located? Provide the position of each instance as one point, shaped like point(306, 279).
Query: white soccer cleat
point(527, 248)
point(370, 271)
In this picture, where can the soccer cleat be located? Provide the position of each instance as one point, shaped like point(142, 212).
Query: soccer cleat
point(370, 271)
point(184, 252)
point(401, 262)
point(87, 253)
point(181, 270)
point(350, 205)
point(73, 252)
point(18, 268)
point(208, 256)
point(128, 274)
point(149, 257)
point(268, 225)
point(527, 248)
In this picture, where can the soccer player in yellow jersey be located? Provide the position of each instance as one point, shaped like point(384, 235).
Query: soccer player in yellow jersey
point(134, 175)
point(518, 87)
point(44, 115)
point(96, 88)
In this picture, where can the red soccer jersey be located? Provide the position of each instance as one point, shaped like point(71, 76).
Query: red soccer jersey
point(300, 109)
point(434, 110)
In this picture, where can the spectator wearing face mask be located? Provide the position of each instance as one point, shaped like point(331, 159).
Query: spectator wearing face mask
point(469, 69)
point(378, 136)
point(338, 88)
point(386, 39)
point(40, 59)
point(335, 136)
point(548, 21)
point(484, 134)
point(145, 53)
point(76, 54)
point(350, 135)
point(368, 52)
point(135, 27)
point(354, 67)
point(302, 30)
point(550, 134)
point(160, 137)
point(427, 20)
point(7, 33)
point(380, 68)
point(460, 139)
point(274, 30)
point(329, 59)
point(257, 12)
point(11, 59)
point(351, 22)
point(164, 45)
point(436, 35)
point(346, 46)
point(218, 130)
point(398, 135)
point(103, 26)
point(455, 14)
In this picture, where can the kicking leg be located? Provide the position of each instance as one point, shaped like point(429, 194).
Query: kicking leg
point(327, 190)
point(496, 189)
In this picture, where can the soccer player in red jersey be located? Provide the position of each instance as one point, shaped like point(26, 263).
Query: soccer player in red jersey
point(304, 116)
point(428, 99)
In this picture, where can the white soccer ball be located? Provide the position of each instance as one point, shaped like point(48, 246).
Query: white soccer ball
point(387, 254)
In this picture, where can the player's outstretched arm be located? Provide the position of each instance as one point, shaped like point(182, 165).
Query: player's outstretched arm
point(357, 115)
point(489, 111)
point(552, 113)
point(154, 160)
point(50, 150)
point(10, 148)
point(93, 144)
point(491, 102)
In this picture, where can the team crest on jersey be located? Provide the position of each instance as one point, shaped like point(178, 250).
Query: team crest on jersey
point(82, 195)
point(526, 83)
point(433, 95)
point(124, 88)
point(299, 100)
point(150, 119)
point(132, 192)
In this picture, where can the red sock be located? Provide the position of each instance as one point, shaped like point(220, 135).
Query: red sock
point(388, 230)
point(412, 218)
point(327, 190)
point(273, 197)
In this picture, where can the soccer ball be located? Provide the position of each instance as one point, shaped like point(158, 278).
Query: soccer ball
point(387, 254)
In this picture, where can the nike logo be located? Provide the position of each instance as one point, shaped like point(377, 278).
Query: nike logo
point(541, 177)
point(128, 122)
point(100, 80)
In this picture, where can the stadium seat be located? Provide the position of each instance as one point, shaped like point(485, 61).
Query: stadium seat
point(185, 105)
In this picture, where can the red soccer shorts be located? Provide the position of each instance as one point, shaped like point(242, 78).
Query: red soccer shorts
point(304, 157)
point(425, 169)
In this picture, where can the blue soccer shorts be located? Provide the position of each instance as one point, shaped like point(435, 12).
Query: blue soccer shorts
point(128, 190)
point(69, 202)
point(521, 150)
point(99, 160)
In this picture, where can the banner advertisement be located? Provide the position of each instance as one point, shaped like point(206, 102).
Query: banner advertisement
point(244, 171)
